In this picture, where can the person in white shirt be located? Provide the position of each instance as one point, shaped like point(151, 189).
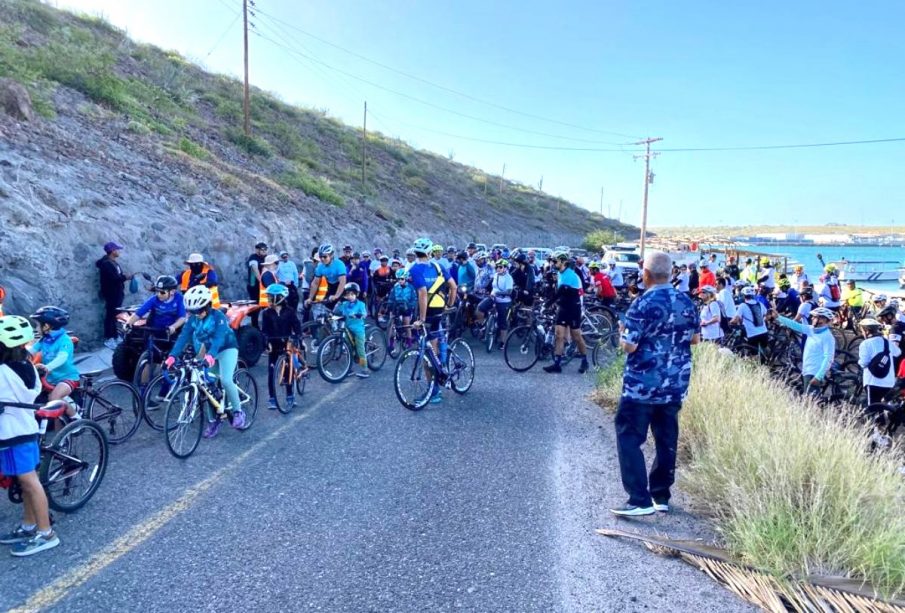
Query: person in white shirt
point(766, 276)
point(681, 282)
point(798, 276)
point(725, 298)
point(807, 305)
point(616, 277)
point(752, 314)
point(710, 315)
point(875, 343)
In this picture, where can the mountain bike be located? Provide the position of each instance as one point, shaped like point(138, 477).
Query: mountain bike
point(114, 405)
point(419, 371)
point(290, 373)
point(336, 352)
point(400, 336)
point(528, 344)
point(157, 345)
point(73, 460)
point(185, 413)
point(313, 332)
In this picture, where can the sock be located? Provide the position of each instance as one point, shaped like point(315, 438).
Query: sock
point(47, 532)
point(29, 527)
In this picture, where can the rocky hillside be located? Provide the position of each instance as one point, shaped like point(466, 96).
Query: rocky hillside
point(106, 139)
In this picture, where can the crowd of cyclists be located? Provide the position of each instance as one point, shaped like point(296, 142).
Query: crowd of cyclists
point(432, 292)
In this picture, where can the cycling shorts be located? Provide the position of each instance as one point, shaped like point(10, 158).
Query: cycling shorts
point(434, 319)
point(569, 317)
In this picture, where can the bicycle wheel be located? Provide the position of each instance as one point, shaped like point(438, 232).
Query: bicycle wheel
point(382, 318)
point(375, 348)
point(145, 371)
point(460, 366)
point(490, 332)
point(184, 421)
point(854, 344)
point(73, 465)
point(247, 387)
point(334, 358)
point(312, 335)
point(302, 380)
point(116, 407)
point(282, 375)
point(395, 342)
point(605, 350)
point(413, 388)
point(521, 349)
point(154, 401)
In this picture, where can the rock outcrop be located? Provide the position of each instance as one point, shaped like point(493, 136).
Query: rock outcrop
point(15, 101)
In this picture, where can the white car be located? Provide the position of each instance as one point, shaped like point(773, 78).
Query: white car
point(626, 261)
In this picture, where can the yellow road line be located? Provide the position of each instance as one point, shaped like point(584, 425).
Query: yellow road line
point(60, 588)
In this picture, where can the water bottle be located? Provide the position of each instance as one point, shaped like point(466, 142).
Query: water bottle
point(443, 350)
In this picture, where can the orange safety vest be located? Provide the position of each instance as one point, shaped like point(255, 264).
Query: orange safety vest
point(321, 294)
point(263, 302)
point(215, 292)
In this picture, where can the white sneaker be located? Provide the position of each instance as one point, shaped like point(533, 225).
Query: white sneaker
point(110, 344)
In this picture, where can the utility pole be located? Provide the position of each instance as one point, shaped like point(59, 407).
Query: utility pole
point(246, 106)
point(540, 186)
point(601, 201)
point(501, 177)
point(619, 216)
point(647, 156)
point(364, 145)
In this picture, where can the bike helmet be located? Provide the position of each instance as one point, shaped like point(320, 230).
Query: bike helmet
point(422, 245)
point(749, 292)
point(830, 268)
point(197, 298)
point(352, 287)
point(870, 323)
point(472, 246)
point(798, 268)
point(765, 261)
point(880, 298)
point(591, 266)
point(365, 254)
point(888, 311)
point(562, 256)
point(450, 249)
point(807, 292)
point(784, 284)
point(502, 263)
point(436, 248)
point(384, 258)
point(462, 255)
point(55, 317)
point(402, 273)
point(276, 293)
point(325, 249)
point(347, 247)
point(823, 312)
point(356, 256)
point(15, 331)
point(165, 283)
point(411, 251)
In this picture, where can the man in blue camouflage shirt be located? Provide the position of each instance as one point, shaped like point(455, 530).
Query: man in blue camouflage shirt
point(660, 327)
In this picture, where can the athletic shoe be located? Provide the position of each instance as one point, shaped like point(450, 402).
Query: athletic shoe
point(213, 427)
point(362, 374)
point(437, 398)
point(583, 368)
point(36, 544)
point(239, 420)
point(18, 535)
point(272, 404)
point(290, 401)
point(553, 368)
point(110, 344)
point(631, 510)
point(662, 507)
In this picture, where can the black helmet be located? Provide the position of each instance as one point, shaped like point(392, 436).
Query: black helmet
point(889, 311)
point(521, 258)
point(462, 255)
point(165, 282)
point(55, 317)
point(472, 246)
point(352, 287)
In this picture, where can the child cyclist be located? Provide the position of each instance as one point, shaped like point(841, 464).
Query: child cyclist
point(19, 452)
point(402, 301)
point(208, 327)
point(278, 323)
point(355, 312)
point(55, 353)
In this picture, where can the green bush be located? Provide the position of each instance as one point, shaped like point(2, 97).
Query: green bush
point(250, 144)
point(597, 238)
point(312, 186)
point(418, 184)
point(193, 149)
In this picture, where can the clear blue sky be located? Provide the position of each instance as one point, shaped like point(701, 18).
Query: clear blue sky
point(700, 74)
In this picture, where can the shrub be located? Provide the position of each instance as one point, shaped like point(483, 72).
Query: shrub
point(792, 489)
point(417, 183)
point(312, 186)
point(193, 149)
point(597, 238)
point(250, 144)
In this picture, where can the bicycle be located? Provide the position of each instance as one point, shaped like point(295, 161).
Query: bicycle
point(421, 371)
point(336, 352)
point(312, 333)
point(397, 339)
point(114, 405)
point(528, 344)
point(290, 371)
point(156, 349)
point(73, 463)
point(185, 412)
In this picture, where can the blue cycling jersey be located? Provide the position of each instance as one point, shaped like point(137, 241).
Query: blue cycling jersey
point(162, 314)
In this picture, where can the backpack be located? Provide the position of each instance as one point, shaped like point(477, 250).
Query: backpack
point(724, 321)
point(880, 364)
point(835, 292)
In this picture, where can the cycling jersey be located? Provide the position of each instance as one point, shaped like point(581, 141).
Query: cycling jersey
point(432, 277)
point(468, 273)
point(213, 332)
point(163, 314)
point(329, 274)
point(819, 351)
point(403, 297)
point(355, 312)
point(501, 288)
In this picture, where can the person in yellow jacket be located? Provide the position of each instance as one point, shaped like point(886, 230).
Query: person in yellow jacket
point(853, 298)
point(200, 272)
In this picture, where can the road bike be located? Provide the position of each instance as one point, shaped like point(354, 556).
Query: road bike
point(420, 371)
point(530, 343)
point(185, 412)
point(73, 459)
point(336, 352)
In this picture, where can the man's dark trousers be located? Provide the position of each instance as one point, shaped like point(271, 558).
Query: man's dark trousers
point(633, 418)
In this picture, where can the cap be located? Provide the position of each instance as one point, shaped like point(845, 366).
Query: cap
point(112, 246)
point(261, 246)
point(195, 258)
point(284, 253)
point(271, 259)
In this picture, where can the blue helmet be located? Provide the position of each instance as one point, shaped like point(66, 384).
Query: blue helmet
point(325, 249)
point(422, 246)
point(402, 273)
point(276, 293)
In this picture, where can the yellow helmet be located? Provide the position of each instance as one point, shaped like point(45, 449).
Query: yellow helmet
point(765, 261)
point(829, 267)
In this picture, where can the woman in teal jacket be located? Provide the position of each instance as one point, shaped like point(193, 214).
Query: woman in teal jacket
point(209, 329)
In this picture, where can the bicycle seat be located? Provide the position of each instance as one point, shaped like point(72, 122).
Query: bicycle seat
point(92, 374)
point(51, 410)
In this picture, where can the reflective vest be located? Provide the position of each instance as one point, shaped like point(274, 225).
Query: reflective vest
point(202, 280)
point(321, 293)
point(263, 302)
point(435, 299)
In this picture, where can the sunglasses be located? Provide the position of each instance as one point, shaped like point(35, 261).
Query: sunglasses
point(325, 257)
point(163, 292)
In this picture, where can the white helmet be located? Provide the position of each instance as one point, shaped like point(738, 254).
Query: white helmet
point(823, 312)
point(197, 298)
point(749, 292)
point(880, 298)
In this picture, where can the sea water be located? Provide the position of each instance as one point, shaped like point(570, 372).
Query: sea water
point(807, 256)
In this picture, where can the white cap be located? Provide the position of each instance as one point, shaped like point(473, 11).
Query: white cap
point(195, 258)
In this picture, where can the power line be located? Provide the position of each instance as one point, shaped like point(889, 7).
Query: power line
point(795, 146)
point(222, 36)
point(442, 87)
point(311, 57)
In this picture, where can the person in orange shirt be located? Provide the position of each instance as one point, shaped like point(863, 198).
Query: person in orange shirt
point(2, 298)
point(707, 276)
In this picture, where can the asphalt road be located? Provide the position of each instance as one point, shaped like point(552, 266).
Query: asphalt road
point(486, 502)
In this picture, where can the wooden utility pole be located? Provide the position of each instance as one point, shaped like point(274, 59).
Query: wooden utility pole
point(502, 174)
point(364, 145)
point(246, 106)
point(647, 156)
point(601, 201)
